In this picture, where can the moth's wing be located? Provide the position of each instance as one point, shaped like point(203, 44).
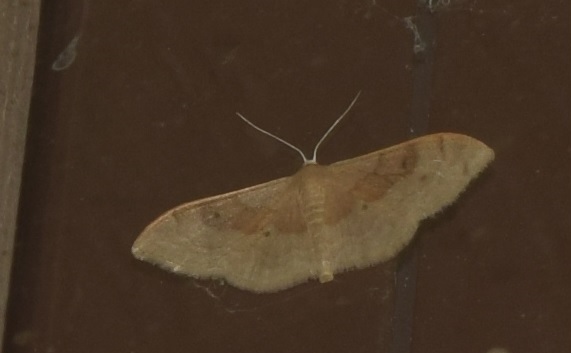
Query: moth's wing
point(246, 237)
point(388, 192)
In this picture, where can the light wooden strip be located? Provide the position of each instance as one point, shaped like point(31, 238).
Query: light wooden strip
point(18, 34)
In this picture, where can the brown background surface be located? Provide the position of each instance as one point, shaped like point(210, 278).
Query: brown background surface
point(143, 120)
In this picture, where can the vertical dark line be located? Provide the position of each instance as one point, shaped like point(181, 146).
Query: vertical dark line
point(405, 292)
point(422, 74)
point(405, 280)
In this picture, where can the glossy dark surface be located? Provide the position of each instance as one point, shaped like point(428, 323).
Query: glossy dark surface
point(143, 120)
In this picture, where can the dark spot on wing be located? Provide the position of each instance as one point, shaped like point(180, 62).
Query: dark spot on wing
point(466, 169)
point(441, 144)
point(211, 217)
point(405, 163)
point(408, 160)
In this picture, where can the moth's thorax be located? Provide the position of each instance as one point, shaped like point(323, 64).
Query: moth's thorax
point(311, 177)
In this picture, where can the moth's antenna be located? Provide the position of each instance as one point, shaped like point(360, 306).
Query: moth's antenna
point(305, 160)
point(314, 159)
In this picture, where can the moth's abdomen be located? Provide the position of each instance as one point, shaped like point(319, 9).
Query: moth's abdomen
point(313, 200)
point(313, 208)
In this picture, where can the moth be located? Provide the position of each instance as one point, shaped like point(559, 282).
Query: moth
point(321, 221)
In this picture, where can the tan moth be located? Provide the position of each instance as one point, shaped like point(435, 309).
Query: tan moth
point(318, 222)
